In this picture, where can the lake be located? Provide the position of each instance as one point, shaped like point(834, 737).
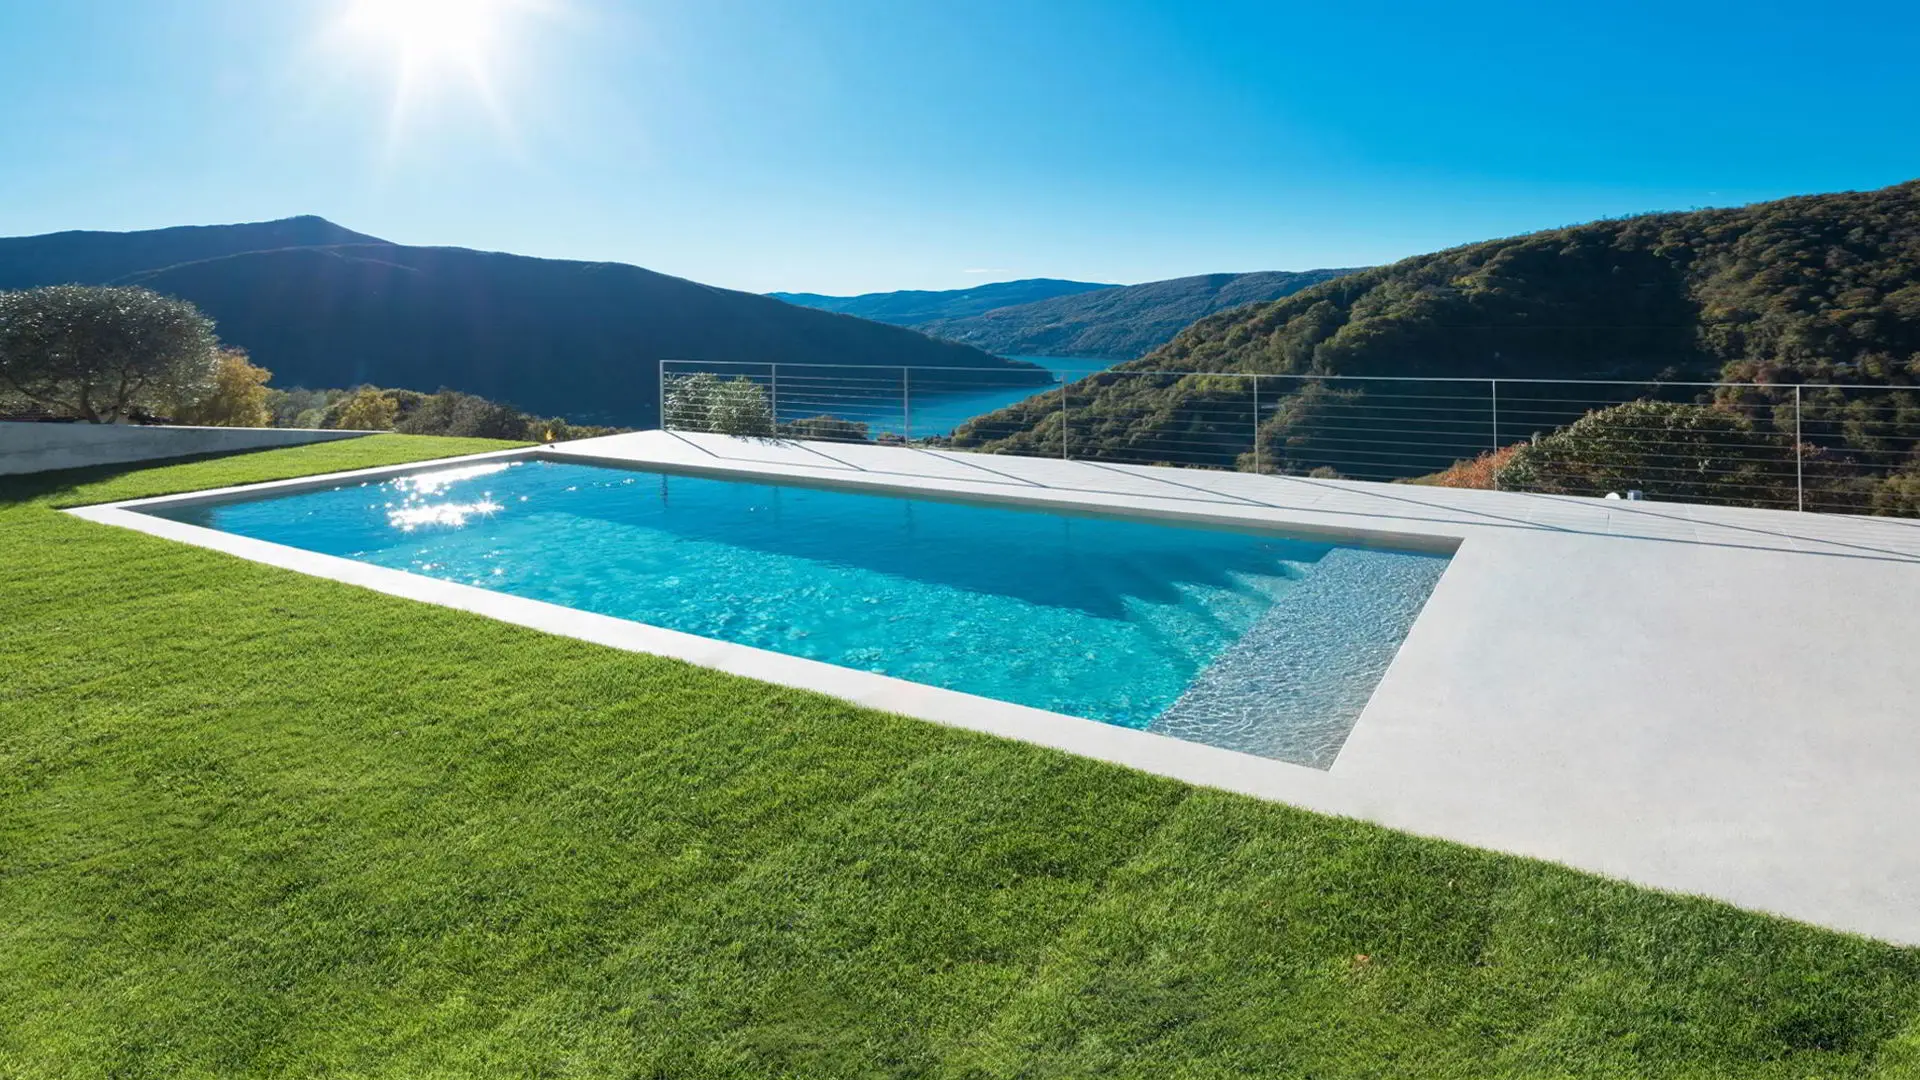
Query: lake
point(937, 412)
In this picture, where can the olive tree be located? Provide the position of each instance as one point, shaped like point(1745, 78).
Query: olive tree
point(706, 402)
point(102, 354)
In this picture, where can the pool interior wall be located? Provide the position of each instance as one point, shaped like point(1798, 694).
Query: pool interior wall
point(1243, 639)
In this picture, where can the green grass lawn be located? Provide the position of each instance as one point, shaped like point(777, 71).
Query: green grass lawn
point(253, 823)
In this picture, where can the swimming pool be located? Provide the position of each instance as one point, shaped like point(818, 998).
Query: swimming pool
point(1244, 639)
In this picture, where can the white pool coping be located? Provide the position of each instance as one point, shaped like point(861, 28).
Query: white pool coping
point(1705, 700)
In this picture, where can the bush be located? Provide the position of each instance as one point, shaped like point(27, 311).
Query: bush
point(1688, 453)
point(1479, 472)
point(451, 412)
point(826, 429)
point(448, 412)
point(1899, 494)
point(706, 402)
point(368, 409)
point(303, 408)
point(237, 398)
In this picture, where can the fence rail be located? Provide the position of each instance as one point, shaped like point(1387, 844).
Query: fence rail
point(1816, 447)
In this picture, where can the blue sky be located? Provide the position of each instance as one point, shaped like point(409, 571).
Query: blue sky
point(840, 146)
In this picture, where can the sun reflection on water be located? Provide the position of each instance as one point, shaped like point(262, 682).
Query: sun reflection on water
point(409, 518)
point(434, 483)
point(415, 512)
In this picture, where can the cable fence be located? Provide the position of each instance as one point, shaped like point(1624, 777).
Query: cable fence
point(1827, 448)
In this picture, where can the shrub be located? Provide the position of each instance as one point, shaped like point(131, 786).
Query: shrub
point(706, 402)
point(451, 412)
point(1690, 453)
point(237, 397)
point(826, 429)
point(1478, 472)
point(368, 409)
point(1899, 494)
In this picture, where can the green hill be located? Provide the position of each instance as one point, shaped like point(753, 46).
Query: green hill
point(1121, 322)
point(321, 306)
point(912, 307)
point(1821, 288)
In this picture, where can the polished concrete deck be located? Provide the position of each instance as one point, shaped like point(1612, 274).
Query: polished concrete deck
point(1708, 700)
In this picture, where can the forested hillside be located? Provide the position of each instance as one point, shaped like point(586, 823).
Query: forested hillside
point(102, 258)
point(323, 306)
point(912, 307)
point(1822, 288)
point(1122, 322)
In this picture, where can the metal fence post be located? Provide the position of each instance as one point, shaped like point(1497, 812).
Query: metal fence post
point(1064, 456)
point(1493, 395)
point(773, 396)
point(1256, 425)
point(906, 403)
point(1799, 457)
point(663, 395)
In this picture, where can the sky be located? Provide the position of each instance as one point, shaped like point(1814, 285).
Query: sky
point(845, 146)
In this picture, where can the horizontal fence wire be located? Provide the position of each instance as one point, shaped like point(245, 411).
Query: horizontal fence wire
point(1825, 447)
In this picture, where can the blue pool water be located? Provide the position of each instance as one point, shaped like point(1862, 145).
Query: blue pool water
point(1128, 622)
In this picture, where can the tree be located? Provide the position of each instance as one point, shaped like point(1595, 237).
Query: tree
point(103, 354)
point(238, 397)
point(451, 412)
point(368, 410)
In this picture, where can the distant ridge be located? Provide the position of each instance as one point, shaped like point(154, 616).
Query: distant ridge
point(912, 307)
point(323, 306)
point(1122, 322)
point(99, 258)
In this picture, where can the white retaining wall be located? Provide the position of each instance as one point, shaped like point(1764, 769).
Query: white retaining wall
point(32, 447)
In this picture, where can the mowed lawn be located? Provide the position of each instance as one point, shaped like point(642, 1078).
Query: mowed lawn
point(257, 824)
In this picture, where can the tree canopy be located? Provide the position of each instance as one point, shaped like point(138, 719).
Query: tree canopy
point(103, 354)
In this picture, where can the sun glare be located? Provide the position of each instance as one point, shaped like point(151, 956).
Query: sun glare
point(427, 32)
point(442, 51)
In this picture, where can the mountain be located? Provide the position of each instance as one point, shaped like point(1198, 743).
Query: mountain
point(1819, 288)
point(913, 307)
point(95, 258)
point(319, 305)
point(1118, 323)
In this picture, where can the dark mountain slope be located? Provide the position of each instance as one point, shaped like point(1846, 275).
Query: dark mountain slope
point(912, 307)
point(582, 340)
point(1816, 288)
point(98, 258)
point(1122, 322)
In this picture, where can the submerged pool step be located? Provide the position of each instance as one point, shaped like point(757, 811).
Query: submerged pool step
point(1292, 686)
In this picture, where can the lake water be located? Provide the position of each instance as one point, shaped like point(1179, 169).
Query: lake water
point(935, 412)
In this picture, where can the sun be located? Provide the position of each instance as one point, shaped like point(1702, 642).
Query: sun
point(433, 33)
point(443, 54)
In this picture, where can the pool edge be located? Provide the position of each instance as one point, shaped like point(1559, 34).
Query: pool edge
point(1146, 751)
